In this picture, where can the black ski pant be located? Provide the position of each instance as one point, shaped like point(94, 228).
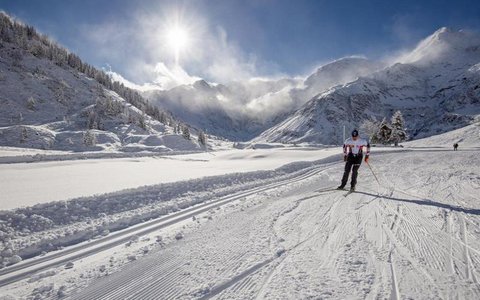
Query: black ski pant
point(353, 162)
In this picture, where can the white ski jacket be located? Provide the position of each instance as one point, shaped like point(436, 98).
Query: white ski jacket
point(356, 147)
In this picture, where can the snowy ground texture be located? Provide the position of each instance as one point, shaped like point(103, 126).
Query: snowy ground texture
point(274, 234)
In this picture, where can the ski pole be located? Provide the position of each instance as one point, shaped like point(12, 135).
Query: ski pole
point(373, 173)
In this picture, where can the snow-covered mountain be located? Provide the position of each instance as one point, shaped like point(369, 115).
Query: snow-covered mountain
point(242, 110)
point(232, 110)
point(436, 87)
point(50, 99)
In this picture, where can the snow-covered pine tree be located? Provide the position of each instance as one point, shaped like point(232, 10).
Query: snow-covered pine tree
point(89, 138)
point(142, 122)
point(384, 132)
point(93, 119)
point(202, 138)
point(186, 132)
point(23, 135)
point(163, 118)
point(398, 133)
point(31, 103)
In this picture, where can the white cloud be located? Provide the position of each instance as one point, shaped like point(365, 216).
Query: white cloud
point(227, 62)
point(164, 78)
point(168, 78)
point(138, 48)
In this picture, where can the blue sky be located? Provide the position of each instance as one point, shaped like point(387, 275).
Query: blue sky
point(233, 39)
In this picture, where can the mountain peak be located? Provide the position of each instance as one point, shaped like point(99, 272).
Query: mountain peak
point(201, 84)
point(445, 44)
point(341, 71)
point(344, 62)
point(442, 31)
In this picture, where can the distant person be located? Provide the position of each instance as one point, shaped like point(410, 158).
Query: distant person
point(455, 146)
point(353, 150)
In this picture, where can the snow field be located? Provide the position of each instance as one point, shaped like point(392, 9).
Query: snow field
point(415, 235)
point(400, 240)
point(30, 184)
point(45, 227)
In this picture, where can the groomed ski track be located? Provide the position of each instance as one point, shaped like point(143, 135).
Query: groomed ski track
point(416, 235)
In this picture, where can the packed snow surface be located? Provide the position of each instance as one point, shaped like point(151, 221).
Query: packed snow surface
point(278, 230)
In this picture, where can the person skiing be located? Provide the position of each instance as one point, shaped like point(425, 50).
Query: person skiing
point(455, 146)
point(353, 150)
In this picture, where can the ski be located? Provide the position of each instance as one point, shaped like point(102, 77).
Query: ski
point(348, 193)
point(329, 189)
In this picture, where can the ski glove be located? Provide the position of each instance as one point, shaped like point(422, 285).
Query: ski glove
point(366, 159)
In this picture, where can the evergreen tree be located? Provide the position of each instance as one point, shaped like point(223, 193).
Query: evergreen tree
point(163, 118)
point(31, 103)
point(398, 133)
point(89, 138)
point(202, 139)
point(384, 132)
point(24, 135)
point(142, 121)
point(186, 132)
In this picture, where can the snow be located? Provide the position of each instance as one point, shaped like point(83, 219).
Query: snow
point(288, 233)
point(468, 136)
point(62, 180)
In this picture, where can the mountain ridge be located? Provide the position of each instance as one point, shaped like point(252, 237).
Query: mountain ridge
point(436, 95)
point(242, 110)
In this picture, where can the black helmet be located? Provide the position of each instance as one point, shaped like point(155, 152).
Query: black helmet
point(354, 133)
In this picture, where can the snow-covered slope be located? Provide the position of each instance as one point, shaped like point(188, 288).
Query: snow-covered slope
point(436, 87)
point(242, 110)
point(465, 137)
point(46, 102)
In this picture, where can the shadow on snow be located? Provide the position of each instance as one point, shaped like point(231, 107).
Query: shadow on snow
point(428, 202)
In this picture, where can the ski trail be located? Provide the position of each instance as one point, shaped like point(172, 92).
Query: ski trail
point(430, 241)
point(225, 285)
point(466, 256)
point(395, 290)
point(449, 255)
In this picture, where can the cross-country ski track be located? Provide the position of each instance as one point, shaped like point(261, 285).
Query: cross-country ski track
point(414, 234)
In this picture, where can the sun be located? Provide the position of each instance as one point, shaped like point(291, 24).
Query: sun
point(177, 38)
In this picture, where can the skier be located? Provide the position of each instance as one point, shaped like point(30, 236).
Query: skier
point(455, 146)
point(353, 149)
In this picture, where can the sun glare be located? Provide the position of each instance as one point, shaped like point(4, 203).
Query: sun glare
point(177, 38)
